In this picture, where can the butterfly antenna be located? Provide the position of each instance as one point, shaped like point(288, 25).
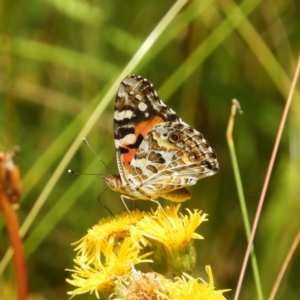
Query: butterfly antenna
point(79, 173)
point(104, 204)
point(87, 143)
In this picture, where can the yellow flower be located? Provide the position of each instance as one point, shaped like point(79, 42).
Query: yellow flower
point(97, 276)
point(190, 288)
point(117, 227)
point(153, 286)
point(179, 229)
point(172, 239)
point(106, 252)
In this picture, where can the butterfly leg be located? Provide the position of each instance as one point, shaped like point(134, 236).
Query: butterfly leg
point(126, 197)
point(164, 212)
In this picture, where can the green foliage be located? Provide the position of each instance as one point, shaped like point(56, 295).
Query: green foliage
point(60, 66)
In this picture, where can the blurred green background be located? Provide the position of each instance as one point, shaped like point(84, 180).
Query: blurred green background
point(58, 60)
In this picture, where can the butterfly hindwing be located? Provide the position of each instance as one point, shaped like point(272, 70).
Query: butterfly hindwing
point(172, 155)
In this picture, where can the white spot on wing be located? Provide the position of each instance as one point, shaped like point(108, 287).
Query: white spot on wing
point(121, 115)
point(142, 106)
point(128, 114)
point(128, 139)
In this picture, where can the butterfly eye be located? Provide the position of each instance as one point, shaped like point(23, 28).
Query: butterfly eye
point(193, 157)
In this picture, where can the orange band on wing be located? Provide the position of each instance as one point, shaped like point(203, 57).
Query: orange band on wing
point(144, 127)
point(127, 157)
point(141, 129)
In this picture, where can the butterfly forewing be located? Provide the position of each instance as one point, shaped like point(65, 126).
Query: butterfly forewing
point(137, 110)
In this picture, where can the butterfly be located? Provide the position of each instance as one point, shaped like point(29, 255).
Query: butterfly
point(158, 155)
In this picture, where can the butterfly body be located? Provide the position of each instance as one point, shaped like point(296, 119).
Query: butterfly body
point(158, 154)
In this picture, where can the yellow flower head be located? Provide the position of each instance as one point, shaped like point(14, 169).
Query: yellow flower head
point(117, 227)
point(172, 239)
point(106, 252)
point(152, 286)
point(179, 229)
point(97, 276)
point(190, 288)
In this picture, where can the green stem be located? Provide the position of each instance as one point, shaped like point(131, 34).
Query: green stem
point(241, 196)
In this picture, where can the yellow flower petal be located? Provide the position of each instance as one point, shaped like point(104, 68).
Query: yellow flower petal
point(118, 228)
point(172, 239)
point(108, 250)
point(181, 232)
point(190, 288)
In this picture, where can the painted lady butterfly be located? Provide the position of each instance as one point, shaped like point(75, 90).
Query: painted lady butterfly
point(158, 154)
